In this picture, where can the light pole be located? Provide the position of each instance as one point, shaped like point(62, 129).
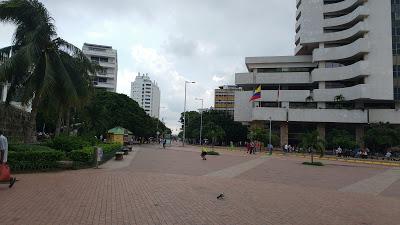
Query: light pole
point(158, 120)
point(201, 118)
point(184, 114)
point(270, 133)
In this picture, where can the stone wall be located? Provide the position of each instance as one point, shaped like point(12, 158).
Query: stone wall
point(12, 122)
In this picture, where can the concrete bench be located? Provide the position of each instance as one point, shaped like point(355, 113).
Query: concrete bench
point(119, 155)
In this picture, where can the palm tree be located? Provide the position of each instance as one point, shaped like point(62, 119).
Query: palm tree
point(339, 99)
point(36, 67)
point(313, 142)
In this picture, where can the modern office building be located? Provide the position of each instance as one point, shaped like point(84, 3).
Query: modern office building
point(224, 99)
point(147, 94)
point(107, 58)
point(345, 72)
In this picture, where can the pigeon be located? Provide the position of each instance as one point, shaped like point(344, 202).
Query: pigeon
point(220, 196)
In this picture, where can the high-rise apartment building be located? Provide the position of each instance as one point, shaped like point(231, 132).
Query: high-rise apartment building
point(147, 94)
point(224, 99)
point(345, 72)
point(107, 58)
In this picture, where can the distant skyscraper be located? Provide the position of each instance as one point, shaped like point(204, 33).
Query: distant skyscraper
point(147, 94)
point(106, 57)
point(224, 99)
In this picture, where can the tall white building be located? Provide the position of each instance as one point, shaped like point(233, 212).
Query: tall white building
point(107, 58)
point(344, 74)
point(147, 94)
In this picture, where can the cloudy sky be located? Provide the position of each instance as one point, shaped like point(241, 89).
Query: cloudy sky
point(204, 41)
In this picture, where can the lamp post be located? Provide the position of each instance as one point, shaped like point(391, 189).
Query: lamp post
point(270, 133)
point(201, 118)
point(158, 120)
point(184, 114)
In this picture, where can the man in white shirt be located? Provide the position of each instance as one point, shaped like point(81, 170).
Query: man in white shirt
point(3, 148)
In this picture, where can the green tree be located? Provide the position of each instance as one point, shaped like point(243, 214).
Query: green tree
point(341, 138)
point(311, 141)
point(380, 137)
point(36, 68)
point(214, 132)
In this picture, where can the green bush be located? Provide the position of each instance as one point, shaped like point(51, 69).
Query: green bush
point(85, 155)
point(212, 153)
point(68, 143)
point(34, 159)
point(28, 147)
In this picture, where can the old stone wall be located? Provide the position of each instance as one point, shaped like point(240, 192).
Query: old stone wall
point(12, 122)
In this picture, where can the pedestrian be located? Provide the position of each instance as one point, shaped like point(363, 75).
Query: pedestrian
point(203, 153)
point(286, 148)
point(270, 147)
point(252, 147)
point(4, 168)
point(248, 147)
point(164, 143)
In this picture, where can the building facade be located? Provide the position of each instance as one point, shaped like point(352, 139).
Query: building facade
point(147, 94)
point(106, 57)
point(344, 73)
point(224, 98)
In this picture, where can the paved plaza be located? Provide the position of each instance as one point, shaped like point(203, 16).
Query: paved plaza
point(174, 186)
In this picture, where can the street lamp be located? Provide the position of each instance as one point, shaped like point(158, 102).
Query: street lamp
point(201, 118)
point(270, 133)
point(184, 114)
point(158, 120)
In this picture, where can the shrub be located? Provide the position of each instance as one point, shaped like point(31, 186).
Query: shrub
point(212, 153)
point(85, 155)
point(28, 147)
point(34, 159)
point(68, 143)
point(313, 163)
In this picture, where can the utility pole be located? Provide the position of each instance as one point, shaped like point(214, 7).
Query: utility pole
point(184, 114)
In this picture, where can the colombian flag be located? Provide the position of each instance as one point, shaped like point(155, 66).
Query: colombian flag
point(257, 94)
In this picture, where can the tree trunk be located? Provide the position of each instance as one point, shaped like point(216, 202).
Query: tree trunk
point(312, 156)
point(30, 131)
point(59, 123)
point(67, 121)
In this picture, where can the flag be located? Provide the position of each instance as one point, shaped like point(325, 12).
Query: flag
point(256, 94)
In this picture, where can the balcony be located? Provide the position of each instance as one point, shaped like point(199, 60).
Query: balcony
point(352, 33)
point(384, 115)
point(359, 69)
point(276, 114)
point(354, 17)
point(328, 115)
point(342, 6)
point(284, 95)
point(350, 93)
point(273, 78)
point(355, 49)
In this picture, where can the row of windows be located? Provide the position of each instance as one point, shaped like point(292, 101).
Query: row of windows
point(396, 44)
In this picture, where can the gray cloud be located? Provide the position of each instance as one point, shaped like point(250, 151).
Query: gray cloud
point(176, 40)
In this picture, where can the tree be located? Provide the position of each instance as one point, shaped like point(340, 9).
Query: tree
point(311, 141)
point(339, 99)
point(106, 110)
point(214, 132)
point(36, 68)
point(342, 138)
point(382, 136)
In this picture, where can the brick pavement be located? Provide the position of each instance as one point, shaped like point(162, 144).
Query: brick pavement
point(167, 187)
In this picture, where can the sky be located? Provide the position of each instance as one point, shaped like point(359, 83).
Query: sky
point(205, 41)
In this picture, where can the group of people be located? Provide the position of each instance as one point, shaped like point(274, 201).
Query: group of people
point(287, 148)
point(252, 147)
point(359, 153)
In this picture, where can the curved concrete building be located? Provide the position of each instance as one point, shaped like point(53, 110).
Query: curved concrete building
point(344, 73)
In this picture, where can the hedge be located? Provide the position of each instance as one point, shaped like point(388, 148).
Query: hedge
point(86, 155)
point(34, 160)
point(68, 143)
point(28, 147)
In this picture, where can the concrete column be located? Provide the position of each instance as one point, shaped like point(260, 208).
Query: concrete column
point(321, 130)
point(360, 132)
point(4, 92)
point(284, 133)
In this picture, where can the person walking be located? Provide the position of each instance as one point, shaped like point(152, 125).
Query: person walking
point(164, 143)
point(252, 147)
point(4, 168)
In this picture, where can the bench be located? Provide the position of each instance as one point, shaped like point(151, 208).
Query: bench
point(119, 155)
point(125, 151)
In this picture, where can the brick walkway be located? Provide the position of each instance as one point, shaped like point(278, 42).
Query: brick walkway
point(169, 187)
